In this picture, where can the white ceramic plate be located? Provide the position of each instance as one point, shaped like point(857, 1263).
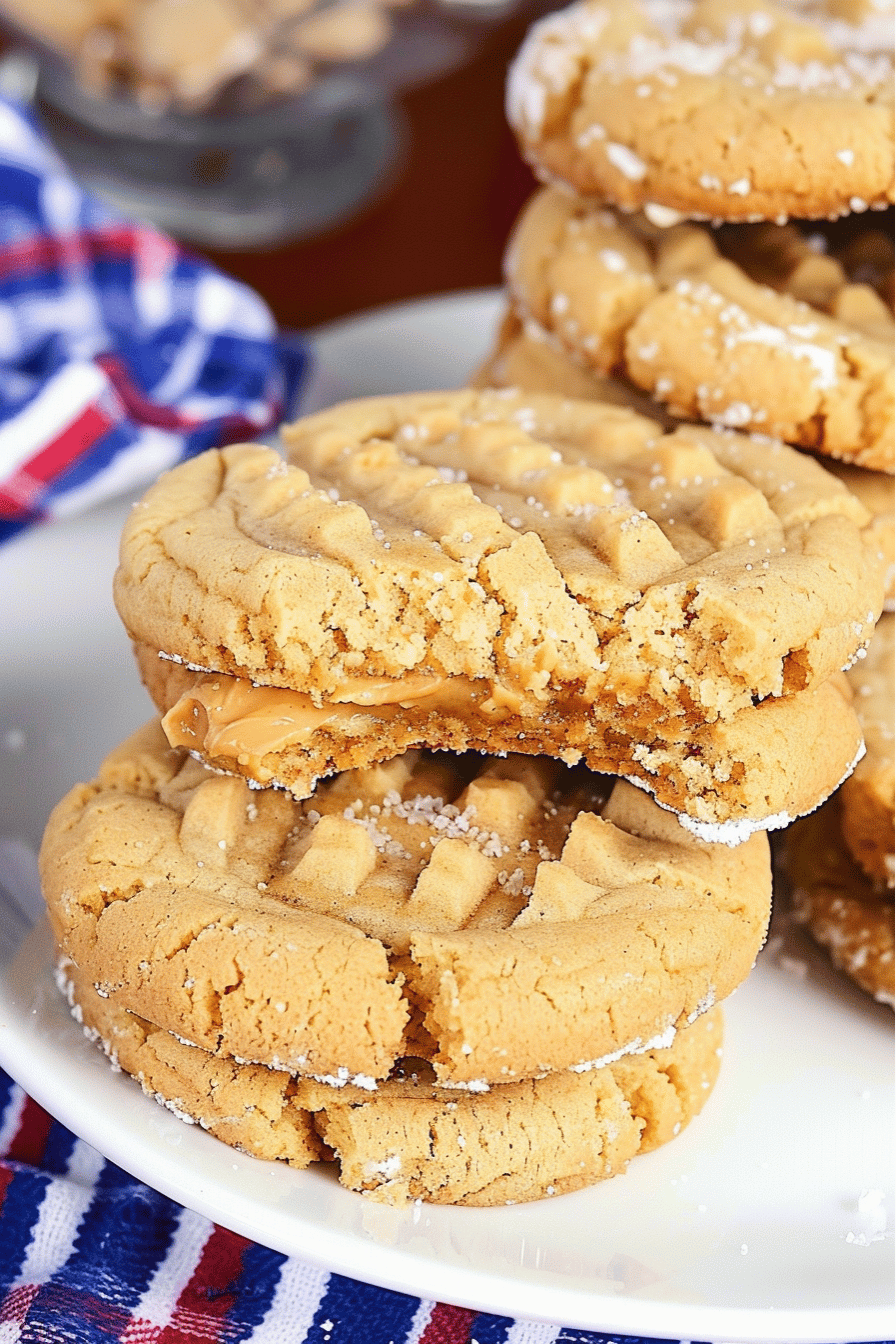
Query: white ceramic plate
point(767, 1220)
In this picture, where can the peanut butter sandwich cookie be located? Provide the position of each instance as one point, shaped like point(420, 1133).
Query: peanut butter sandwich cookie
point(841, 859)
point(711, 109)
point(667, 311)
point(510, 572)
point(411, 1139)
point(755, 771)
point(846, 912)
point(500, 920)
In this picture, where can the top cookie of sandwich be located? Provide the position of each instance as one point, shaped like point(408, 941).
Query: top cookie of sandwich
point(711, 109)
point(518, 548)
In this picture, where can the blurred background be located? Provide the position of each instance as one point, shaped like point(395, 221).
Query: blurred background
point(335, 156)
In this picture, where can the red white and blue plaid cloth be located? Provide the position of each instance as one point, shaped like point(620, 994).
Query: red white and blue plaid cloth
point(120, 353)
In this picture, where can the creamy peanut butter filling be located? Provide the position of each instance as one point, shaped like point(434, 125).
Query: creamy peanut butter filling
point(227, 717)
point(385, 691)
point(727, 782)
point(222, 716)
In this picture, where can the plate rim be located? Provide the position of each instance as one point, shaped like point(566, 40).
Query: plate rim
point(33, 1061)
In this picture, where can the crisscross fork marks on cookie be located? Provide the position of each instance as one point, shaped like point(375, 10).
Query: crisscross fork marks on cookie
point(612, 868)
point(540, 599)
point(234, 969)
point(622, 449)
point(415, 935)
point(443, 851)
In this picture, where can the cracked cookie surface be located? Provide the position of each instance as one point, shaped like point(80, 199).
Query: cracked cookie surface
point(712, 109)
point(751, 328)
point(411, 1139)
point(501, 919)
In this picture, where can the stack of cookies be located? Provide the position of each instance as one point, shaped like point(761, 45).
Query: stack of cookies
point(662, 269)
point(372, 886)
point(475, 709)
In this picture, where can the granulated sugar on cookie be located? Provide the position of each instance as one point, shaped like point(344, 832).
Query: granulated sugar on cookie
point(412, 1139)
point(502, 919)
point(711, 109)
point(511, 572)
point(724, 339)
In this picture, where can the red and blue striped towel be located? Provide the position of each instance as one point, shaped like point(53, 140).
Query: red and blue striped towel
point(92, 1256)
point(120, 353)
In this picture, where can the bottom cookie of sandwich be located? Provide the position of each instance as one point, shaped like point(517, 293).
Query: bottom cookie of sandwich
point(409, 1139)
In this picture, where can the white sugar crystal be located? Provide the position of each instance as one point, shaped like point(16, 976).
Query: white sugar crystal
point(662, 216)
point(627, 161)
point(614, 261)
point(590, 134)
point(343, 1076)
point(735, 415)
point(389, 1167)
point(638, 1046)
point(823, 361)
